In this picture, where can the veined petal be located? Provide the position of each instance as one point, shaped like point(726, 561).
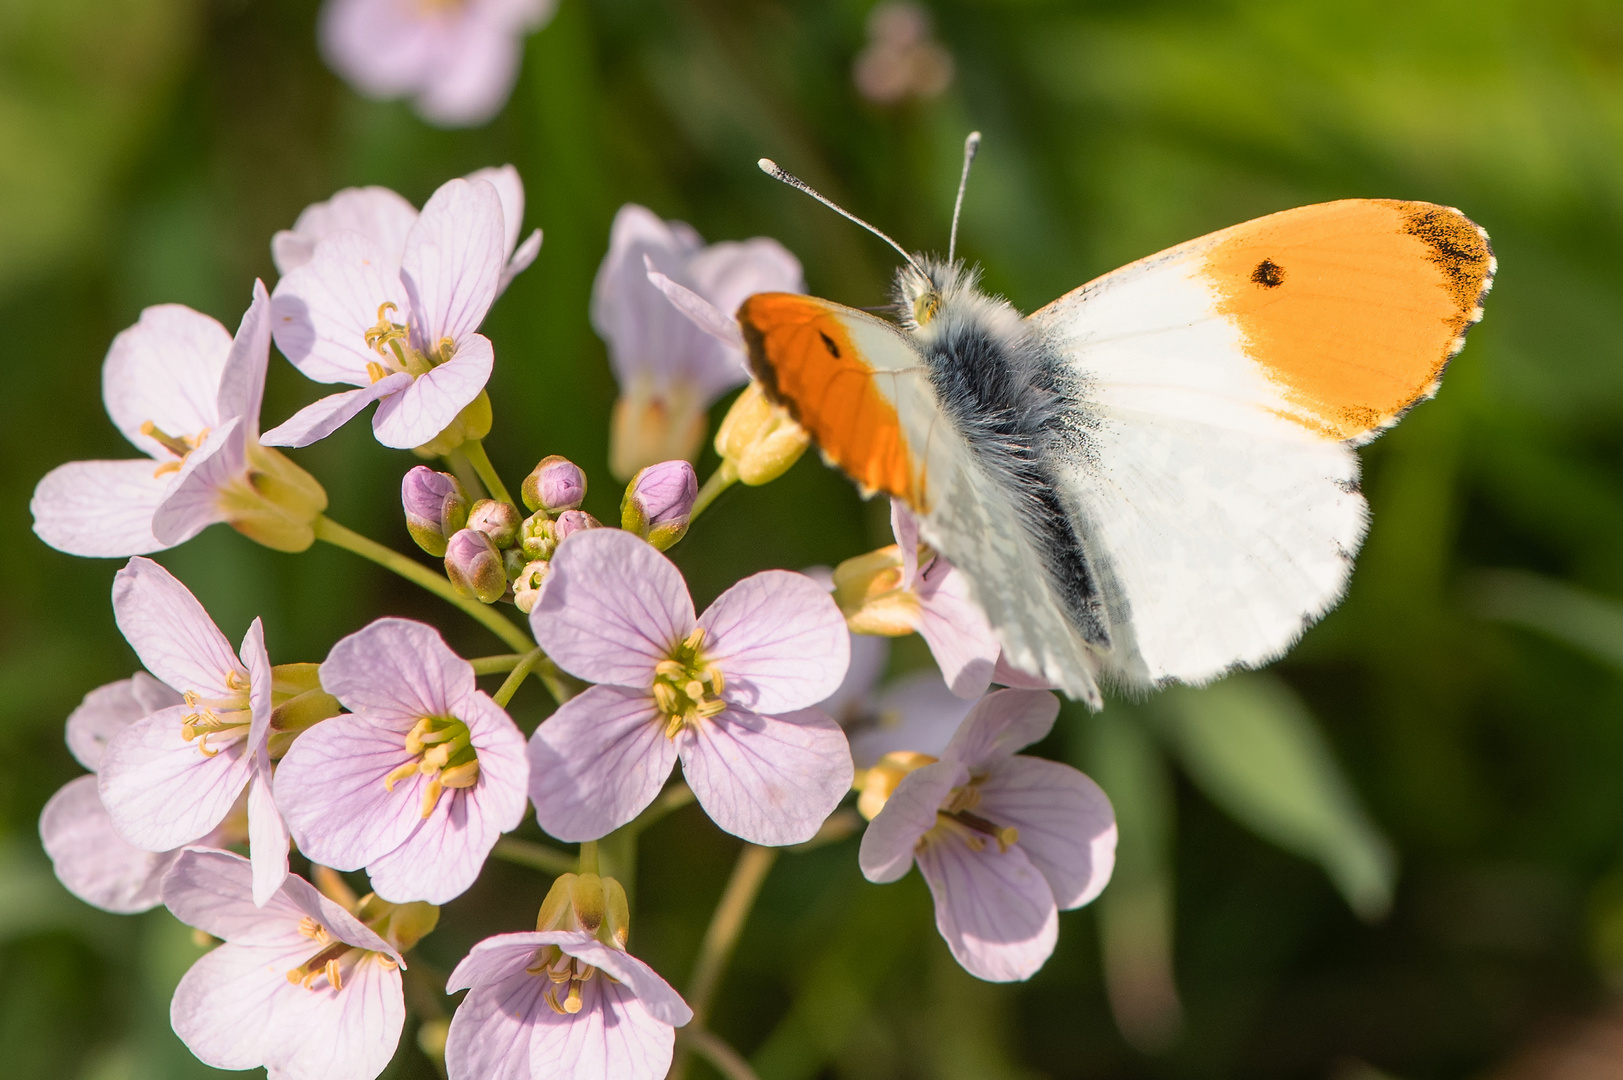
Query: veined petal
point(109, 709)
point(427, 406)
point(165, 369)
point(171, 633)
point(353, 1033)
point(772, 780)
point(905, 528)
point(728, 272)
point(504, 764)
point(612, 608)
point(892, 837)
point(510, 191)
point(100, 509)
point(257, 660)
point(242, 383)
point(613, 1035)
point(1001, 723)
point(321, 311)
point(267, 833)
point(495, 958)
point(960, 638)
point(520, 260)
point(992, 907)
point(377, 213)
point(656, 995)
point(453, 261)
point(397, 670)
point(917, 712)
point(490, 1031)
point(1067, 826)
point(193, 503)
point(701, 312)
point(597, 762)
point(849, 701)
point(161, 790)
point(780, 640)
point(326, 415)
point(91, 859)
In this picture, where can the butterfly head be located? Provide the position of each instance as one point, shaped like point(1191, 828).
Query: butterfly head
point(926, 286)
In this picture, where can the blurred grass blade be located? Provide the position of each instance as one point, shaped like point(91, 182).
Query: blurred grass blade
point(1257, 752)
point(1589, 623)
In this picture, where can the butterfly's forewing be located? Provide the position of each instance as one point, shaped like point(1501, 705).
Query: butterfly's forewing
point(1227, 381)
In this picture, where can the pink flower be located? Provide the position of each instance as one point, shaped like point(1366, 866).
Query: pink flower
point(1005, 842)
point(187, 394)
point(300, 986)
point(917, 712)
point(406, 337)
point(456, 59)
point(171, 778)
point(418, 780)
point(727, 692)
point(670, 371)
point(560, 1003)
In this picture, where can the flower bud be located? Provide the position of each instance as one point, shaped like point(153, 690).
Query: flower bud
point(436, 507)
point(555, 485)
point(475, 566)
point(473, 422)
point(588, 904)
point(760, 439)
point(401, 925)
point(659, 501)
point(527, 584)
point(497, 520)
point(535, 536)
point(573, 521)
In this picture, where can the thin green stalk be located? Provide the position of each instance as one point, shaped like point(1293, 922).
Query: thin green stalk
point(588, 857)
point(521, 670)
point(542, 857)
point(463, 468)
point(725, 476)
point(714, 1049)
point(496, 665)
point(487, 472)
point(333, 533)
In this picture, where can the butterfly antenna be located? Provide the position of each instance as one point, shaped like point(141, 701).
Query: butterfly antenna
point(972, 146)
point(772, 169)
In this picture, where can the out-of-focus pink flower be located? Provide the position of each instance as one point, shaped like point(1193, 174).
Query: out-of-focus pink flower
point(187, 394)
point(456, 59)
point(917, 712)
point(420, 778)
point(300, 986)
point(409, 339)
point(171, 778)
point(560, 1003)
point(1005, 842)
point(670, 371)
point(728, 693)
point(902, 58)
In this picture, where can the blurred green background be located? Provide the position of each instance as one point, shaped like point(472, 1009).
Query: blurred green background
point(1397, 854)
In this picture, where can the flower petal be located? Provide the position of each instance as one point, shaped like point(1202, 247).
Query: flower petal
point(993, 908)
point(960, 638)
point(905, 527)
point(613, 1035)
point(377, 213)
point(490, 1032)
point(109, 709)
point(849, 702)
point(165, 369)
point(376, 50)
point(91, 859)
point(780, 640)
point(510, 190)
point(1006, 674)
point(646, 336)
point(611, 609)
point(321, 311)
point(916, 713)
point(161, 791)
point(597, 762)
point(772, 780)
point(453, 261)
point(1067, 826)
point(350, 1035)
point(171, 633)
point(267, 834)
point(397, 670)
point(473, 78)
point(426, 407)
point(701, 312)
point(521, 259)
point(326, 415)
point(1001, 723)
point(100, 509)
point(892, 837)
point(654, 993)
point(193, 503)
point(242, 382)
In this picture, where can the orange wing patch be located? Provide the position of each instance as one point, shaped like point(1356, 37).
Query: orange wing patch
point(806, 361)
point(1353, 308)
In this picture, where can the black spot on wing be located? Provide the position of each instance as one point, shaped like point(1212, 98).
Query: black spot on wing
point(1268, 274)
point(828, 343)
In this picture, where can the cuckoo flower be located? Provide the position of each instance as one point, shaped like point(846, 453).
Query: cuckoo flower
point(171, 778)
point(187, 394)
point(418, 780)
point(301, 986)
point(1004, 841)
point(408, 338)
point(456, 59)
point(728, 693)
point(670, 371)
point(916, 712)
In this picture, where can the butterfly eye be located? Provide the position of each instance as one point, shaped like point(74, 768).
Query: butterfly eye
point(925, 307)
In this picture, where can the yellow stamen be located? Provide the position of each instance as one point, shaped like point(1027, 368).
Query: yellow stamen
point(431, 796)
point(401, 773)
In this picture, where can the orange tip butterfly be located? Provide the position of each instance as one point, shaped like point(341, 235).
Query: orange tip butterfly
point(1154, 477)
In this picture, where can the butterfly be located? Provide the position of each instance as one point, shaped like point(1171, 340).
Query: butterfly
point(1154, 478)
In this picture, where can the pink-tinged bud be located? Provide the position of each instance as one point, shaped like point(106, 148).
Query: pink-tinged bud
point(535, 536)
point(527, 584)
point(475, 566)
point(659, 501)
point(436, 507)
point(573, 521)
point(555, 485)
point(497, 520)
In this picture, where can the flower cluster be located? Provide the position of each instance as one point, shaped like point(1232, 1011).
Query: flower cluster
point(240, 793)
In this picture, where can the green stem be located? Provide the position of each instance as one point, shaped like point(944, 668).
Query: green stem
point(714, 1049)
point(588, 857)
point(333, 533)
point(542, 857)
point(496, 665)
point(725, 925)
point(521, 670)
point(725, 476)
point(487, 472)
point(463, 468)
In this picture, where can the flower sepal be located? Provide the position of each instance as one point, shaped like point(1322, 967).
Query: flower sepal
point(587, 904)
point(473, 422)
point(274, 502)
point(401, 925)
point(761, 440)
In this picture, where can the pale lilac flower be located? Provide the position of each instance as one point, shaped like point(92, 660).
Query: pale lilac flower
point(670, 371)
point(917, 712)
point(560, 1003)
point(171, 778)
point(456, 59)
point(1005, 842)
point(300, 986)
point(418, 780)
point(408, 339)
point(187, 394)
point(728, 693)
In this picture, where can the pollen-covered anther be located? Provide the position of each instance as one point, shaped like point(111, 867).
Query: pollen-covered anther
point(441, 749)
point(312, 929)
point(567, 974)
point(179, 445)
point(226, 718)
point(330, 963)
point(687, 685)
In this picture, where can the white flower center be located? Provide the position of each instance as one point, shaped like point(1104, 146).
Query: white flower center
point(392, 342)
point(957, 818)
point(336, 961)
point(226, 719)
point(441, 748)
point(685, 685)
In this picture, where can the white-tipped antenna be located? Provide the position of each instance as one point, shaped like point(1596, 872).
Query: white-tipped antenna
point(972, 146)
point(772, 169)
